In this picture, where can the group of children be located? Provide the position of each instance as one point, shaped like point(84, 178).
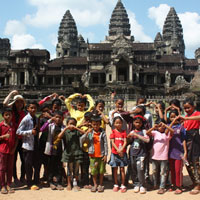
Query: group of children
point(68, 149)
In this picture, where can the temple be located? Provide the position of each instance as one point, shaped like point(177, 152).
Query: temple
point(118, 63)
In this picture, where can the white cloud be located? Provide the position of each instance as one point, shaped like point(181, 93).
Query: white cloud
point(24, 41)
point(85, 13)
point(14, 27)
point(137, 29)
point(159, 14)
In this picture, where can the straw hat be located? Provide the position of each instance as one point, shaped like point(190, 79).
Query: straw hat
point(17, 97)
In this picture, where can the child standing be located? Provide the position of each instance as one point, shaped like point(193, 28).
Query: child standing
point(118, 155)
point(138, 152)
point(177, 150)
point(160, 153)
point(54, 126)
point(28, 129)
point(98, 151)
point(7, 148)
point(72, 155)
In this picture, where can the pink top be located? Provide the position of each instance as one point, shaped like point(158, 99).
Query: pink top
point(160, 145)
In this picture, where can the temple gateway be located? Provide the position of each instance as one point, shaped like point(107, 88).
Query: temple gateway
point(119, 63)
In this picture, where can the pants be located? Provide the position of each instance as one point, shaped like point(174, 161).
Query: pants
point(176, 167)
point(31, 160)
point(55, 169)
point(6, 169)
point(20, 151)
point(85, 169)
point(137, 166)
point(162, 165)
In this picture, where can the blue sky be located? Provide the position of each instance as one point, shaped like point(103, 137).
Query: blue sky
point(34, 23)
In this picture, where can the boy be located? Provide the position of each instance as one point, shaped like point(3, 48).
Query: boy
point(98, 151)
point(54, 126)
point(7, 149)
point(28, 129)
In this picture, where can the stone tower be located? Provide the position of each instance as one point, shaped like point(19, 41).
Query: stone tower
point(119, 23)
point(173, 34)
point(67, 37)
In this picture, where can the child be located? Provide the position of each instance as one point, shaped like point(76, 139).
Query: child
point(54, 126)
point(98, 151)
point(160, 152)
point(7, 148)
point(138, 152)
point(177, 150)
point(28, 129)
point(159, 108)
point(192, 125)
point(72, 155)
point(118, 154)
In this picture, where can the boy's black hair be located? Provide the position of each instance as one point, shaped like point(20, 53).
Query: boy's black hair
point(145, 100)
point(143, 110)
point(43, 106)
point(189, 101)
point(6, 109)
point(99, 101)
point(81, 100)
point(119, 98)
point(142, 120)
point(58, 112)
point(118, 117)
point(32, 103)
point(162, 105)
point(173, 111)
point(58, 102)
point(176, 102)
point(96, 118)
point(69, 119)
point(88, 115)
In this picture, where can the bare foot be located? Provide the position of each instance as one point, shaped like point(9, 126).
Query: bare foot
point(69, 188)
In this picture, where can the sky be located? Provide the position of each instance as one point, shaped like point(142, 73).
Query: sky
point(35, 23)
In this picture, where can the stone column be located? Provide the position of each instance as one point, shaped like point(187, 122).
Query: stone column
point(26, 78)
point(114, 73)
point(16, 78)
point(130, 73)
point(155, 79)
point(12, 78)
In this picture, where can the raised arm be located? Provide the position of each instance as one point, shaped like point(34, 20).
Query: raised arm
point(144, 138)
point(45, 99)
point(10, 95)
point(69, 100)
point(91, 102)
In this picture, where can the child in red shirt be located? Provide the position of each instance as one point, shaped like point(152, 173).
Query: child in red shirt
point(7, 148)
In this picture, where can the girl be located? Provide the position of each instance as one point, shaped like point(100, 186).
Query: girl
point(138, 152)
point(192, 125)
point(160, 153)
point(18, 113)
point(177, 152)
point(72, 155)
point(118, 153)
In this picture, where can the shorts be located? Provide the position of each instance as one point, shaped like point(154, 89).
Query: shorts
point(117, 161)
point(97, 166)
point(73, 168)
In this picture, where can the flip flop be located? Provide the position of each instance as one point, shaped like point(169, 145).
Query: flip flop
point(94, 189)
point(100, 188)
point(194, 192)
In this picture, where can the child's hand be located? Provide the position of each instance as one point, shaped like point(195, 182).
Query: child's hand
point(53, 119)
point(34, 132)
point(14, 92)
point(62, 97)
point(71, 127)
point(46, 115)
point(132, 134)
point(168, 108)
point(104, 159)
point(54, 95)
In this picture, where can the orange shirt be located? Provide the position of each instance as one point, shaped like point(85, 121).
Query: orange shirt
point(97, 146)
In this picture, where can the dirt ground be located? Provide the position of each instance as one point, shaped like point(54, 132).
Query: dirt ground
point(84, 194)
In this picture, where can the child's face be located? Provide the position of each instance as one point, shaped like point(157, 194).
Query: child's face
point(56, 107)
point(156, 109)
point(172, 117)
point(19, 104)
point(32, 109)
point(137, 124)
point(46, 110)
point(141, 101)
point(96, 125)
point(80, 106)
point(71, 122)
point(119, 104)
point(7, 116)
point(100, 106)
point(118, 124)
point(161, 128)
point(189, 109)
point(58, 119)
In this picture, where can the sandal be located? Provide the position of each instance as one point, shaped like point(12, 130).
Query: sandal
point(171, 189)
point(178, 191)
point(123, 189)
point(115, 188)
point(94, 189)
point(4, 191)
point(10, 190)
point(194, 191)
point(100, 188)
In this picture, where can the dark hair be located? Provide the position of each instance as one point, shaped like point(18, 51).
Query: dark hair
point(142, 108)
point(33, 103)
point(99, 101)
point(6, 109)
point(88, 115)
point(145, 100)
point(176, 102)
point(42, 107)
point(58, 102)
point(96, 118)
point(118, 117)
point(189, 101)
point(142, 120)
point(162, 105)
point(71, 118)
point(81, 100)
point(173, 111)
point(58, 112)
point(119, 98)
